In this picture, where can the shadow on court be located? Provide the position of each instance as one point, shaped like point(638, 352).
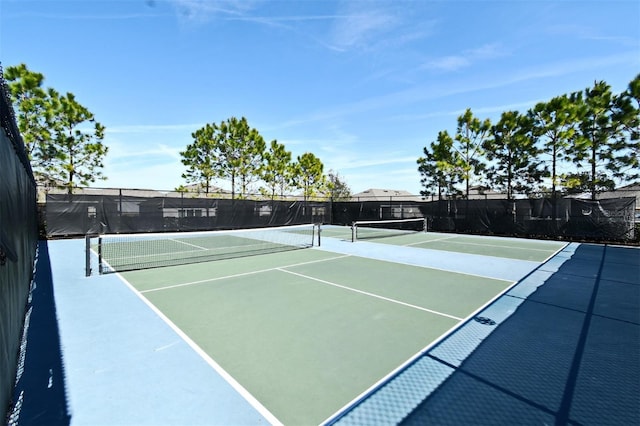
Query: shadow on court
point(40, 395)
point(569, 355)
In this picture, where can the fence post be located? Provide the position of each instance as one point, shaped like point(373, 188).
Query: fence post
point(87, 256)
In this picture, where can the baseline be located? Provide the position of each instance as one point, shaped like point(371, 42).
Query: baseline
point(471, 264)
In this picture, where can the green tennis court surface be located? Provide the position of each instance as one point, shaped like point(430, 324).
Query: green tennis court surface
point(511, 248)
point(306, 332)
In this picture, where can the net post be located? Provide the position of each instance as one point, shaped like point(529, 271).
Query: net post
point(317, 226)
point(100, 268)
point(353, 232)
point(87, 255)
point(425, 225)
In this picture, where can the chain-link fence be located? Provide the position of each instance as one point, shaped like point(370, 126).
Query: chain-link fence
point(18, 243)
point(128, 211)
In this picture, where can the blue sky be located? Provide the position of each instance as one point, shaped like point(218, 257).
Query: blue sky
point(364, 85)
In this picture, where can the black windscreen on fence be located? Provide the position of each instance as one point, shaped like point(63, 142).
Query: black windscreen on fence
point(565, 218)
point(69, 215)
point(18, 243)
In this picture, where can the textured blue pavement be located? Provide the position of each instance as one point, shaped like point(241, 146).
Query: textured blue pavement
point(123, 364)
point(562, 347)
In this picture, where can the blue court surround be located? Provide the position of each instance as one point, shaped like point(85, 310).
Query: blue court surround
point(473, 264)
point(562, 346)
point(123, 364)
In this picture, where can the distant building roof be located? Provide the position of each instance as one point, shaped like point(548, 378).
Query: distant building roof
point(628, 191)
point(144, 193)
point(632, 190)
point(479, 192)
point(374, 194)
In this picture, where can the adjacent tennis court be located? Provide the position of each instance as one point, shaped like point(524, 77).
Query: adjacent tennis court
point(303, 333)
point(511, 248)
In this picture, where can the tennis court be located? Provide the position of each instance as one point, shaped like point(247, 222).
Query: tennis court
point(504, 247)
point(345, 333)
point(300, 334)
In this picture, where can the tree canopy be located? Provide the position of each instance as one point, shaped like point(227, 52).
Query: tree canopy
point(337, 188)
point(228, 150)
point(554, 126)
point(603, 143)
point(585, 141)
point(513, 155)
point(63, 140)
point(438, 168)
point(469, 139)
point(201, 157)
point(309, 174)
point(277, 171)
point(233, 151)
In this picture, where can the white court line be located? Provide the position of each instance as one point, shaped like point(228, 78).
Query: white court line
point(485, 245)
point(429, 241)
point(188, 244)
point(422, 352)
point(435, 268)
point(555, 253)
point(242, 274)
point(372, 389)
point(370, 294)
point(227, 377)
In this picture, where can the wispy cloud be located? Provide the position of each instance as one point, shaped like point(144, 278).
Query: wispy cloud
point(159, 175)
point(119, 150)
point(364, 173)
point(204, 10)
point(573, 65)
point(448, 63)
point(466, 58)
point(358, 30)
point(372, 26)
point(154, 128)
point(477, 111)
point(425, 92)
point(583, 32)
point(384, 160)
point(364, 26)
point(88, 17)
point(404, 178)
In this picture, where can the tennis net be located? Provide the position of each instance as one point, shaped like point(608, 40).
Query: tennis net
point(127, 252)
point(369, 229)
